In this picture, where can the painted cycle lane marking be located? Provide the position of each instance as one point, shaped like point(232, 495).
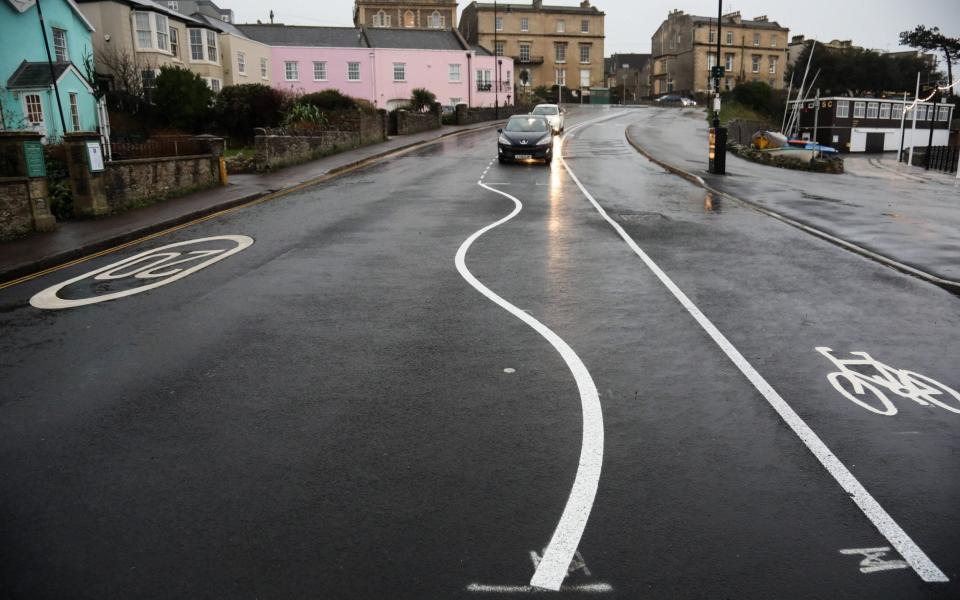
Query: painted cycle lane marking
point(162, 264)
point(898, 538)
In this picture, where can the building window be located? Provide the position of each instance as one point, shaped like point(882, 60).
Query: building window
point(225, 17)
point(729, 62)
point(214, 84)
point(773, 64)
point(773, 41)
point(60, 45)
point(727, 84)
point(456, 101)
point(144, 33)
point(897, 112)
point(560, 75)
point(353, 71)
point(585, 26)
point(756, 63)
point(756, 39)
point(859, 110)
point(196, 44)
point(524, 52)
point(149, 80)
point(173, 5)
point(560, 51)
point(524, 24)
point(484, 80)
point(74, 112)
point(584, 54)
point(436, 20)
point(263, 68)
point(320, 70)
point(713, 36)
point(670, 86)
point(943, 113)
point(584, 78)
point(409, 19)
point(729, 38)
point(498, 49)
point(174, 42)
point(454, 73)
point(291, 70)
point(241, 63)
point(381, 19)
point(679, 40)
point(499, 24)
point(884, 111)
point(872, 109)
point(34, 108)
point(212, 54)
point(163, 32)
point(561, 26)
point(843, 109)
point(399, 71)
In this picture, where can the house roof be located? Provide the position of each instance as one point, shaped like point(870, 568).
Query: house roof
point(22, 6)
point(37, 75)
point(298, 35)
point(414, 39)
point(632, 61)
point(747, 23)
point(504, 7)
point(161, 8)
point(221, 26)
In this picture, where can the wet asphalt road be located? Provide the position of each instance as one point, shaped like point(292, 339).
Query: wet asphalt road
point(334, 412)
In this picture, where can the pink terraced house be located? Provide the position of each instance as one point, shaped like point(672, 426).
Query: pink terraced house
point(383, 65)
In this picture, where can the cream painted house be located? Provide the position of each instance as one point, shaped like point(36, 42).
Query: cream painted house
point(243, 60)
point(136, 37)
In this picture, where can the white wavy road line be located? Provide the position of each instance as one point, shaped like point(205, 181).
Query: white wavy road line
point(908, 549)
point(552, 569)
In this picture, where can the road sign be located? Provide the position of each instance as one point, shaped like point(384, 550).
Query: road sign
point(717, 72)
point(33, 156)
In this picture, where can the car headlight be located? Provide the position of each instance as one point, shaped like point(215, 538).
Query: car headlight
point(547, 139)
point(503, 140)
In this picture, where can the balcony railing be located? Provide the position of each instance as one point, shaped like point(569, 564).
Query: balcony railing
point(484, 87)
point(529, 60)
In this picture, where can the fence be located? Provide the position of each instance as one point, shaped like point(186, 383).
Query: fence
point(942, 158)
point(172, 147)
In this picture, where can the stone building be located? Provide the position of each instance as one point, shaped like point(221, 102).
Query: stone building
point(406, 14)
point(547, 45)
point(684, 51)
point(630, 75)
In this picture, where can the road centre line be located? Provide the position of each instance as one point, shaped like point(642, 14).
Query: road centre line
point(559, 553)
point(590, 588)
point(898, 538)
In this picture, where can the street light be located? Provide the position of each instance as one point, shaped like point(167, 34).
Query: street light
point(718, 135)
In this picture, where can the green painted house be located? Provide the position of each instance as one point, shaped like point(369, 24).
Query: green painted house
point(27, 97)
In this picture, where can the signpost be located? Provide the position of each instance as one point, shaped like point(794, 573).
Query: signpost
point(94, 157)
point(718, 135)
point(33, 157)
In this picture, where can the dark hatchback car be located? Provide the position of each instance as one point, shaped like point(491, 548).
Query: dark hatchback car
point(526, 137)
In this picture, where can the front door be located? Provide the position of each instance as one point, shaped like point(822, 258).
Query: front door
point(33, 113)
point(875, 142)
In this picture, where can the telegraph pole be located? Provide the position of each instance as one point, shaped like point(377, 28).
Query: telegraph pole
point(718, 135)
point(53, 74)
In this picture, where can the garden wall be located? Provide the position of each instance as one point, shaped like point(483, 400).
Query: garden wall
point(469, 116)
point(15, 216)
point(413, 122)
point(342, 130)
point(138, 182)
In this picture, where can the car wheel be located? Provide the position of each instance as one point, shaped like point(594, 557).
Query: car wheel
point(548, 160)
point(502, 160)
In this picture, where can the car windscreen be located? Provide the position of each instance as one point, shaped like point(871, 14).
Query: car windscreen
point(545, 110)
point(526, 124)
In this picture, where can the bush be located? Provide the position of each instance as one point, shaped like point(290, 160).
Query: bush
point(240, 108)
point(182, 100)
point(331, 100)
point(422, 99)
point(758, 97)
point(304, 116)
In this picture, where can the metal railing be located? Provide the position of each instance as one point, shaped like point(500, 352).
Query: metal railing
point(159, 148)
point(942, 158)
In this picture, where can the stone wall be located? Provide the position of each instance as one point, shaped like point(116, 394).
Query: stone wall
point(469, 116)
point(139, 182)
point(15, 217)
point(345, 130)
point(741, 132)
point(412, 122)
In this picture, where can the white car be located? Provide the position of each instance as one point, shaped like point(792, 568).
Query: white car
point(553, 114)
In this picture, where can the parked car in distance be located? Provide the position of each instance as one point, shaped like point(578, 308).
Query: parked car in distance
point(525, 137)
point(676, 99)
point(553, 113)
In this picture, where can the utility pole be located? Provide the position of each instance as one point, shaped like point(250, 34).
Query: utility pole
point(903, 129)
point(718, 135)
point(933, 121)
point(496, 89)
point(53, 74)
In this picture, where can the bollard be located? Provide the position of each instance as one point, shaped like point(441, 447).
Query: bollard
point(223, 171)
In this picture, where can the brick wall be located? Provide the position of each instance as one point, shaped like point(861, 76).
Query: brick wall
point(133, 183)
point(15, 217)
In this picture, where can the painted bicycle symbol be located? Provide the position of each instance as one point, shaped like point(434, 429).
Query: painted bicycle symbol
point(868, 390)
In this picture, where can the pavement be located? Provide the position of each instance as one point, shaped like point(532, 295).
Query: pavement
point(79, 238)
point(439, 377)
point(900, 215)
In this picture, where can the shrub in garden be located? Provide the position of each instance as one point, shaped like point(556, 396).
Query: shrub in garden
point(182, 100)
point(238, 109)
point(422, 99)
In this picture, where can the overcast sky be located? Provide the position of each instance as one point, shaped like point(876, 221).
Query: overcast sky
point(630, 23)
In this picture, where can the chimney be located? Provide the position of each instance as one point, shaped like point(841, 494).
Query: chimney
point(761, 19)
point(733, 17)
point(538, 4)
point(585, 4)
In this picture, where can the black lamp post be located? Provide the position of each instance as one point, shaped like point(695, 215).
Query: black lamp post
point(718, 135)
point(496, 89)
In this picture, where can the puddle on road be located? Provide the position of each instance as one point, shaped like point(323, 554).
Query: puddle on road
point(712, 204)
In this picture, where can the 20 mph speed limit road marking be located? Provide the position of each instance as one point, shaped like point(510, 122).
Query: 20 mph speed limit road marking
point(141, 272)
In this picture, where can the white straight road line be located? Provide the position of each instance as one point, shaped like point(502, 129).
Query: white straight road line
point(889, 528)
point(558, 555)
point(519, 589)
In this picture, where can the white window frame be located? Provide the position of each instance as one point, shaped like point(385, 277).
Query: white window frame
point(711, 61)
point(320, 70)
point(195, 44)
point(437, 20)
point(943, 113)
point(773, 41)
point(213, 43)
point(843, 109)
point(139, 29)
point(499, 48)
point(381, 19)
point(560, 53)
point(60, 52)
point(173, 5)
point(561, 26)
point(728, 61)
point(157, 27)
point(560, 76)
point(350, 69)
point(588, 49)
point(291, 70)
point(399, 72)
point(214, 84)
point(39, 106)
point(756, 40)
point(75, 111)
point(897, 111)
point(584, 76)
point(241, 63)
point(525, 51)
point(174, 42)
point(712, 36)
point(264, 68)
point(729, 38)
point(484, 79)
point(453, 73)
point(498, 23)
point(524, 24)
point(859, 110)
point(755, 67)
point(584, 25)
point(162, 32)
point(921, 112)
point(873, 110)
point(885, 110)
point(773, 61)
